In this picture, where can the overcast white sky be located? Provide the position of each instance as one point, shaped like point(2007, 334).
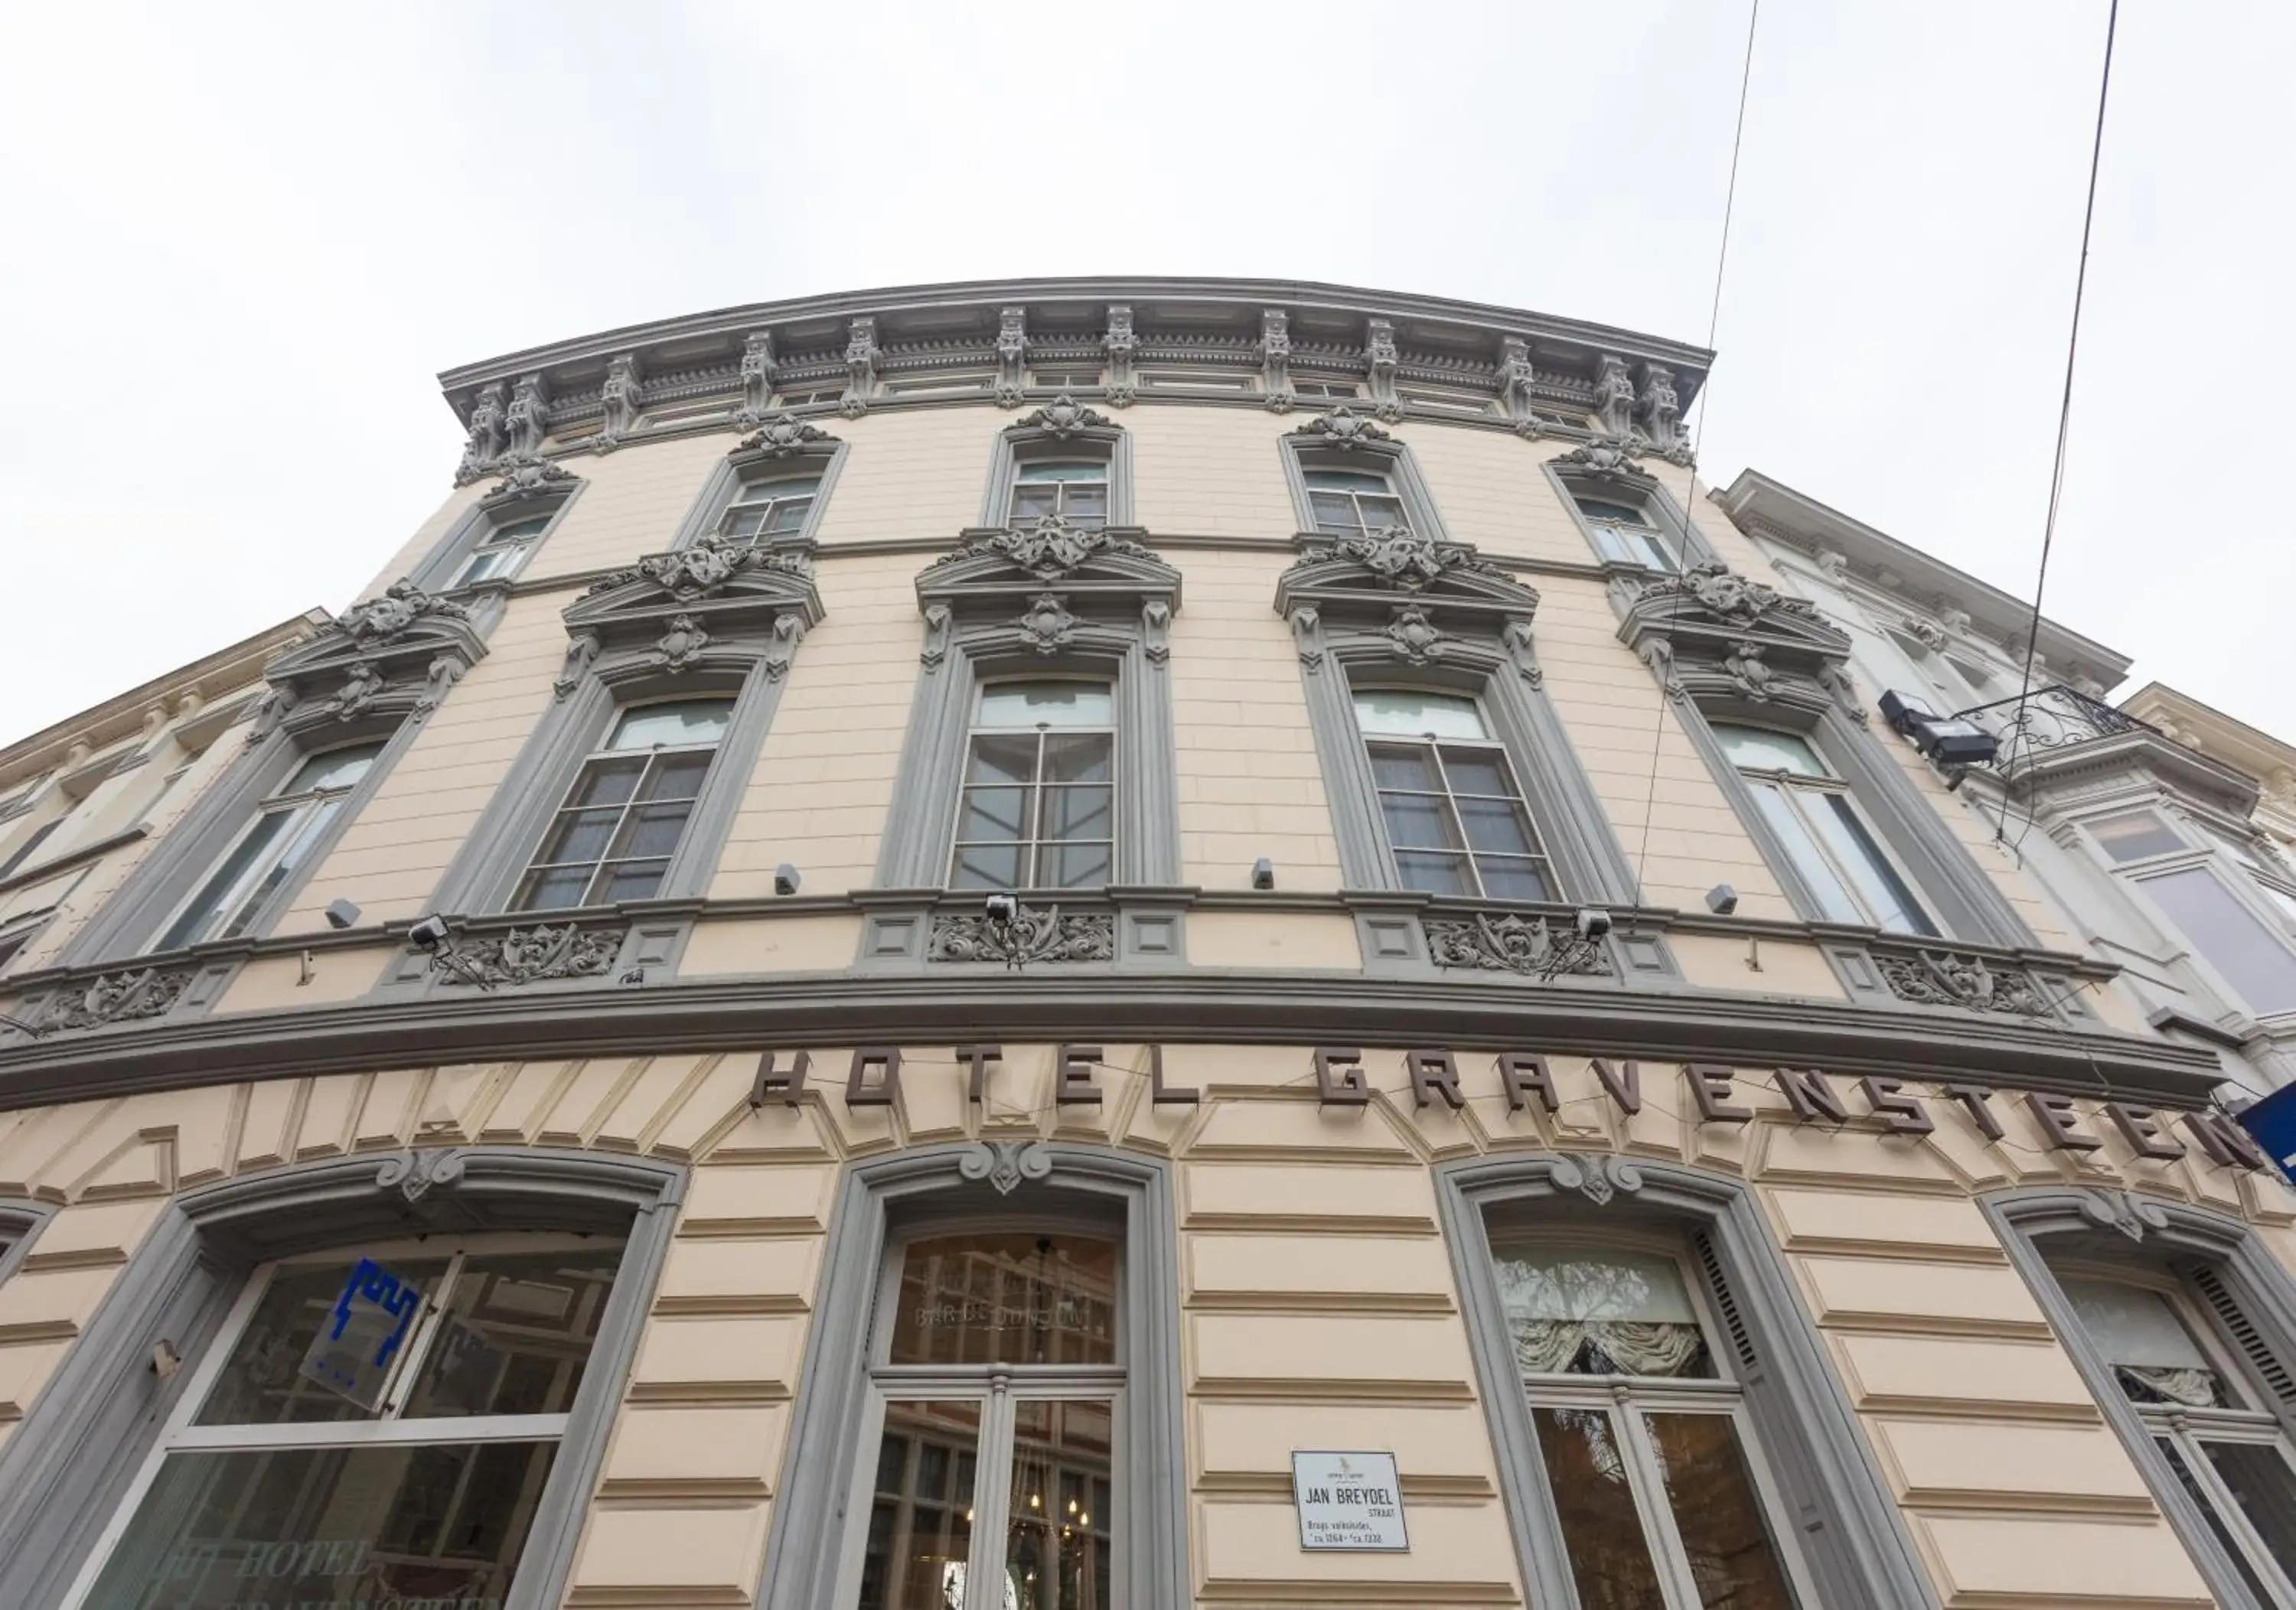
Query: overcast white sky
point(240, 242)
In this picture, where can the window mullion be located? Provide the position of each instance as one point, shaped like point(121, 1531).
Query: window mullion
point(1668, 1557)
point(992, 1501)
point(1807, 801)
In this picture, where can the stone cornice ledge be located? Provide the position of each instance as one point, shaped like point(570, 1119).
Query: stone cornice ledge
point(1236, 1008)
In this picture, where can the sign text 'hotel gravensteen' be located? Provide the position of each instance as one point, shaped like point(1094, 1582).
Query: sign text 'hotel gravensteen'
point(874, 1079)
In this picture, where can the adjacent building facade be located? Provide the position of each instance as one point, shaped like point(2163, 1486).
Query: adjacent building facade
point(923, 934)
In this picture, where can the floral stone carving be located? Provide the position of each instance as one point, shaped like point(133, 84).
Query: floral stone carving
point(782, 435)
point(1723, 593)
point(1028, 935)
point(1397, 554)
point(1942, 979)
point(524, 476)
point(1049, 549)
point(528, 955)
point(115, 998)
point(1048, 625)
point(696, 572)
point(1063, 417)
point(1607, 458)
point(385, 619)
point(1513, 944)
point(1344, 428)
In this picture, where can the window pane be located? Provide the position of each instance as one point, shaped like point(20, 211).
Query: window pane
point(2207, 1505)
point(1046, 704)
point(1378, 512)
point(1005, 1298)
point(1834, 900)
point(1035, 503)
point(796, 486)
point(1346, 480)
point(328, 1526)
point(1072, 866)
point(993, 814)
point(745, 523)
point(1076, 812)
point(1511, 879)
point(1406, 766)
point(1716, 1513)
point(1597, 1310)
point(1497, 825)
point(2259, 1477)
point(1009, 759)
point(336, 768)
point(1064, 470)
point(631, 880)
point(1418, 822)
point(788, 515)
point(1857, 851)
point(1477, 771)
point(1602, 508)
point(1760, 749)
point(920, 1521)
point(1087, 505)
point(262, 1383)
point(1083, 757)
point(2252, 959)
point(2154, 1357)
point(652, 727)
point(206, 909)
point(1057, 1551)
point(607, 782)
point(552, 890)
point(517, 1333)
point(1334, 513)
point(654, 830)
point(483, 565)
point(579, 836)
point(677, 776)
point(987, 866)
point(2134, 834)
point(1610, 1561)
point(1404, 713)
point(309, 823)
point(1433, 874)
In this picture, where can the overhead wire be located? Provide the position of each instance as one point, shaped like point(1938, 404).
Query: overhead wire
point(2064, 433)
point(1665, 672)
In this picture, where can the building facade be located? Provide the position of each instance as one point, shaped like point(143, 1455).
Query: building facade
point(976, 947)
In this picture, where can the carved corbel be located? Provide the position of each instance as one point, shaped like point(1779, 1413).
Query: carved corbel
point(1658, 654)
point(485, 445)
point(1156, 631)
point(1660, 408)
point(1516, 377)
point(1384, 360)
point(1416, 639)
point(1048, 624)
point(1614, 398)
point(271, 712)
point(1521, 651)
point(619, 400)
point(938, 622)
point(1012, 355)
point(861, 355)
point(528, 420)
point(580, 650)
point(781, 649)
point(445, 670)
point(757, 367)
point(1835, 679)
point(1276, 360)
point(1307, 636)
point(1121, 344)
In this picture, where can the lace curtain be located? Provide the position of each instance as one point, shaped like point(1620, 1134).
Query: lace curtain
point(1596, 1311)
point(1606, 1347)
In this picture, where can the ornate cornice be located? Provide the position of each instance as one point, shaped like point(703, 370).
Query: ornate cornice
point(396, 654)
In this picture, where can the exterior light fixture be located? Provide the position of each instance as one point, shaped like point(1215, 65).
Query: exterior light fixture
point(1947, 739)
point(1263, 873)
point(786, 879)
point(1722, 900)
point(342, 914)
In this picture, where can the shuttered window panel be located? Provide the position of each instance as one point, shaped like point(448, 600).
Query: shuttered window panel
point(2243, 1333)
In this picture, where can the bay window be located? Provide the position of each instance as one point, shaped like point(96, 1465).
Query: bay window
point(1817, 825)
point(288, 824)
point(626, 812)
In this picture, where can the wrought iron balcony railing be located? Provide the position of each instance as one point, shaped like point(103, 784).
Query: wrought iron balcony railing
point(2046, 722)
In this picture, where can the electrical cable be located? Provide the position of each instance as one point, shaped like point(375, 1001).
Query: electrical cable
point(1665, 670)
point(2065, 411)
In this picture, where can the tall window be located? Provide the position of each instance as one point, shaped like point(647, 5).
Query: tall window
point(622, 820)
point(1038, 805)
point(1454, 817)
point(227, 901)
point(995, 1383)
point(1648, 1455)
point(371, 1427)
point(1624, 532)
point(1828, 840)
point(1349, 502)
point(2223, 1447)
point(1070, 489)
point(764, 508)
point(501, 549)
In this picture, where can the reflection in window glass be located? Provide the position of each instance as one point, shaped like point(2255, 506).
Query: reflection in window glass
point(1610, 1565)
point(2206, 1500)
point(1455, 821)
point(1006, 1299)
point(2258, 1477)
point(1038, 805)
point(279, 841)
point(626, 813)
point(2254, 960)
point(1073, 491)
point(262, 1383)
point(2152, 1355)
point(515, 1333)
point(762, 510)
point(1351, 502)
point(1407, 713)
point(2133, 835)
point(921, 1514)
point(1821, 831)
point(1716, 1512)
point(1056, 1549)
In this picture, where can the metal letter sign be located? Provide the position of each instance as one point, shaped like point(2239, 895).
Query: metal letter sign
point(1349, 1501)
point(2272, 1122)
point(353, 1352)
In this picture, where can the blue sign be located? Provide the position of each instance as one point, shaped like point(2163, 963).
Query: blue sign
point(354, 1351)
point(2272, 1121)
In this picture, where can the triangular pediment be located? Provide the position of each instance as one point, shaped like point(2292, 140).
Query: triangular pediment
point(727, 585)
point(1711, 608)
point(394, 654)
point(1084, 564)
point(1376, 573)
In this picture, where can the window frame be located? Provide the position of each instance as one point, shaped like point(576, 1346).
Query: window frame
point(1362, 525)
point(823, 456)
point(1373, 450)
point(2180, 1245)
point(887, 1201)
point(65, 1473)
point(1662, 514)
point(1035, 843)
point(1807, 1438)
point(1089, 437)
point(1539, 853)
point(21, 1219)
point(440, 571)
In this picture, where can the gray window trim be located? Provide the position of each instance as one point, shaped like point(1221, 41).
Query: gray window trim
point(1851, 1534)
point(1384, 454)
point(809, 1528)
point(131, 918)
point(64, 1472)
point(21, 1219)
point(1623, 486)
point(1960, 897)
point(1024, 443)
point(485, 871)
point(726, 477)
point(2186, 1239)
point(1588, 860)
point(505, 505)
point(921, 829)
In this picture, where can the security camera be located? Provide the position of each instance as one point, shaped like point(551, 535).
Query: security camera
point(429, 933)
point(1593, 922)
point(1002, 908)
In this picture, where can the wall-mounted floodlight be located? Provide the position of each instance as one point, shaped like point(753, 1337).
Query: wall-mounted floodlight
point(1722, 900)
point(1947, 739)
point(786, 879)
point(342, 914)
point(1263, 873)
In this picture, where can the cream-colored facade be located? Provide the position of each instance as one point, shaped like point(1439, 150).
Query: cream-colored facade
point(1443, 963)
